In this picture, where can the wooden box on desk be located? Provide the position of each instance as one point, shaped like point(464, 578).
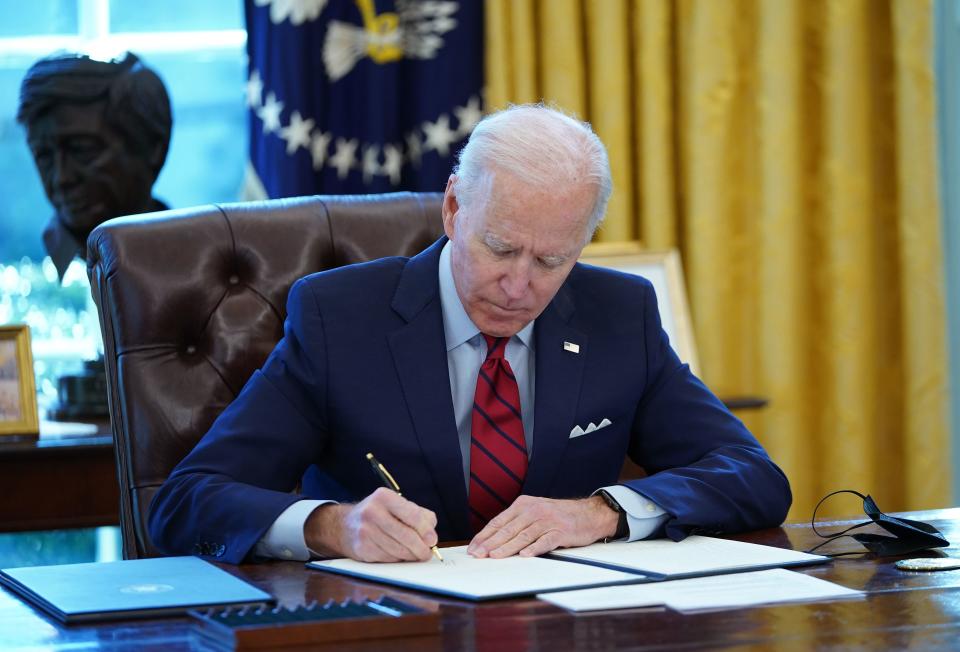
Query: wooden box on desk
point(244, 629)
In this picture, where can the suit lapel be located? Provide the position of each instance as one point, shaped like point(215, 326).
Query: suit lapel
point(421, 362)
point(558, 376)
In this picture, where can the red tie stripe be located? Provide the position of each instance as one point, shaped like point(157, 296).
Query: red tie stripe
point(498, 451)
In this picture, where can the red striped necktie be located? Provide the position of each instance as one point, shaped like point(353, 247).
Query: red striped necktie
point(498, 451)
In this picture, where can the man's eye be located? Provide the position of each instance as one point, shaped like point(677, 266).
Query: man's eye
point(85, 154)
point(84, 150)
point(42, 155)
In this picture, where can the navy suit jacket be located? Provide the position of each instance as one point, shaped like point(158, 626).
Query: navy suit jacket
point(362, 367)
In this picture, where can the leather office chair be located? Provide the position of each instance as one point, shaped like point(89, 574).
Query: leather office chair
point(192, 301)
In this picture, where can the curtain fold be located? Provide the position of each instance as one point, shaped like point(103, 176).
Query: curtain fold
point(920, 257)
point(787, 148)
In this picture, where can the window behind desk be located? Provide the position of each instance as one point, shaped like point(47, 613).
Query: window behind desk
point(198, 50)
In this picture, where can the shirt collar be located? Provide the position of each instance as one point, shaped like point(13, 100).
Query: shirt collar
point(457, 325)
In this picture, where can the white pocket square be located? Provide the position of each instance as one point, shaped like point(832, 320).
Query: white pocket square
point(591, 427)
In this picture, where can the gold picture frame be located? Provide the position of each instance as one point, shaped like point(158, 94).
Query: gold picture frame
point(664, 271)
point(18, 395)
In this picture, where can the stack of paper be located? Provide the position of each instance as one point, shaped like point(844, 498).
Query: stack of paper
point(463, 576)
point(713, 592)
point(607, 564)
point(692, 557)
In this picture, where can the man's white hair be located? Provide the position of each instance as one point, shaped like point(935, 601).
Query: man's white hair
point(536, 144)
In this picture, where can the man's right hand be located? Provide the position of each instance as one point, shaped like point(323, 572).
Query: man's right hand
point(384, 526)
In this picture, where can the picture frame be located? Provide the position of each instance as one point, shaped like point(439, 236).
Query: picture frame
point(664, 271)
point(18, 396)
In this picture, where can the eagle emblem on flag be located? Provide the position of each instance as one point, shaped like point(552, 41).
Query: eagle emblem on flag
point(362, 95)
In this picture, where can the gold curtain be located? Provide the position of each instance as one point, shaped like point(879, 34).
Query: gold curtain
point(787, 148)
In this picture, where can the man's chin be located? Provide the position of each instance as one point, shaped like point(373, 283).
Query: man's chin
point(502, 326)
point(83, 220)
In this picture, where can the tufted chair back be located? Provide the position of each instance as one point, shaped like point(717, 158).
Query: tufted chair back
point(192, 301)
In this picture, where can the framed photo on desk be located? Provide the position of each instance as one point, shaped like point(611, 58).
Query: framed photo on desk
point(663, 270)
point(18, 396)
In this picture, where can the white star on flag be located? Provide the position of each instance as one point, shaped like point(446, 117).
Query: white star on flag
point(371, 165)
point(318, 149)
point(254, 89)
point(270, 113)
point(344, 159)
point(297, 134)
point(439, 135)
point(392, 162)
point(468, 116)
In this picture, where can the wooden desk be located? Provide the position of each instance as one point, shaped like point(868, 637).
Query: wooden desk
point(58, 482)
point(902, 610)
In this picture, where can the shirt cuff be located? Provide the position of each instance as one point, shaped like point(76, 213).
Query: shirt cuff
point(284, 539)
point(645, 518)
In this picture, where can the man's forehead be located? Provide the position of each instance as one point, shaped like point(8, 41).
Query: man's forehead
point(510, 214)
point(70, 119)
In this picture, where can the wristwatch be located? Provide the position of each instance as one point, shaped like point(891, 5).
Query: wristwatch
point(623, 529)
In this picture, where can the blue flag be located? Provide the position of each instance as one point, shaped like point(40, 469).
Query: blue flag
point(361, 96)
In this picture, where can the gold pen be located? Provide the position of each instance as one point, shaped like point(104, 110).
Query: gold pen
point(390, 483)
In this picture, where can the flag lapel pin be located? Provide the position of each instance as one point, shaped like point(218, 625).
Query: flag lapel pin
point(571, 347)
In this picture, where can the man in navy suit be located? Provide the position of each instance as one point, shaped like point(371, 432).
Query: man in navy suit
point(393, 357)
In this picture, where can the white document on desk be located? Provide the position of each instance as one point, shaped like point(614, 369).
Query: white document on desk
point(463, 576)
point(692, 557)
point(713, 592)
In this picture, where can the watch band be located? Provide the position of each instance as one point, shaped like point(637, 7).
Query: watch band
point(623, 528)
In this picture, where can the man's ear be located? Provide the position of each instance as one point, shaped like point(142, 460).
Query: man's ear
point(450, 207)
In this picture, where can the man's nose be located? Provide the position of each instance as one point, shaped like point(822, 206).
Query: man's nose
point(64, 170)
point(516, 280)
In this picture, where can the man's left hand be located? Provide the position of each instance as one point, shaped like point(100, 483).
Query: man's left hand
point(534, 526)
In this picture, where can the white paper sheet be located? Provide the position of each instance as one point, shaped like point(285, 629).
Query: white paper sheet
point(695, 555)
point(479, 579)
point(712, 592)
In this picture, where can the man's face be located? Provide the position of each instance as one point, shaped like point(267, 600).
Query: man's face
point(89, 173)
point(512, 251)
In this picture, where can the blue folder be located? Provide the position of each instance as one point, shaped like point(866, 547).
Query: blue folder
point(140, 588)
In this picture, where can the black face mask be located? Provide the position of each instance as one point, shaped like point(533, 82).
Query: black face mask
point(908, 536)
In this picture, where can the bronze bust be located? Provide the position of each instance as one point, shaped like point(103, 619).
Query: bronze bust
point(99, 133)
